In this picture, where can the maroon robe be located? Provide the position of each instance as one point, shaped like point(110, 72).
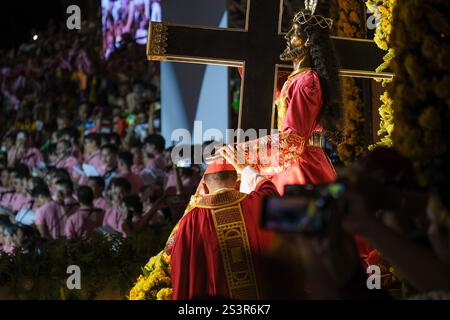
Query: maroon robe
point(197, 267)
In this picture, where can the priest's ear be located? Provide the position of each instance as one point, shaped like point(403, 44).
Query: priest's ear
point(204, 187)
point(238, 184)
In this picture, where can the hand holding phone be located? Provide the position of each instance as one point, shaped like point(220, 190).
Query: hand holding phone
point(305, 209)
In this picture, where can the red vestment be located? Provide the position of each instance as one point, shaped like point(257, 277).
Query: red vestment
point(299, 106)
point(197, 266)
point(302, 96)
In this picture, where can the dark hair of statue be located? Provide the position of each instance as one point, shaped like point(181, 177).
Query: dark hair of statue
point(324, 62)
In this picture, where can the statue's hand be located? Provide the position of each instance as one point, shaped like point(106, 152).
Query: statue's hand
point(230, 154)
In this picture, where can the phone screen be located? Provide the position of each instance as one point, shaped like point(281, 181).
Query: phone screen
point(305, 209)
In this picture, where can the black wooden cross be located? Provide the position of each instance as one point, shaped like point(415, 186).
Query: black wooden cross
point(257, 49)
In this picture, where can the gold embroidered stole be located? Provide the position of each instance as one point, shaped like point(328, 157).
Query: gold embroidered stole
point(281, 104)
point(233, 242)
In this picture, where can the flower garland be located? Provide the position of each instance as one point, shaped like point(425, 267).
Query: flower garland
point(348, 24)
point(382, 10)
point(421, 87)
point(155, 282)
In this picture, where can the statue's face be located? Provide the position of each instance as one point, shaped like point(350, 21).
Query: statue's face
point(293, 37)
point(294, 48)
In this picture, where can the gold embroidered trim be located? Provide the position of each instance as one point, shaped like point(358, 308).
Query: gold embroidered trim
point(286, 149)
point(221, 199)
point(236, 253)
point(280, 103)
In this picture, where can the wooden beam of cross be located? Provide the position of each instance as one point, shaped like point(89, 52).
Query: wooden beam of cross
point(257, 49)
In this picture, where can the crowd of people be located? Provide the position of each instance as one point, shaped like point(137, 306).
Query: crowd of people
point(103, 186)
point(127, 17)
point(81, 154)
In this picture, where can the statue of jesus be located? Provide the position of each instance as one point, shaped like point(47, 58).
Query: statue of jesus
point(309, 108)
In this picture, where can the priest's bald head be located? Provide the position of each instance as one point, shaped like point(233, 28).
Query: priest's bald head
point(220, 175)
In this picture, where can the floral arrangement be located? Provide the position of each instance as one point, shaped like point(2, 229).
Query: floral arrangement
point(382, 10)
point(108, 266)
point(421, 87)
point(347, 18)
point(353, 145)
point(346, 13)
point(155, 282)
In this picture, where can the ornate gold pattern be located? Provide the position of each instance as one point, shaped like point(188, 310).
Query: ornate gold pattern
point(273, 154)
point(236, 253)
point(219, 199)
point(157, 41)
point(281, 101)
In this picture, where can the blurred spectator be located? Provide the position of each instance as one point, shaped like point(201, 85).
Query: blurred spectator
point(50, 218)
point(114, 218)
point(109, 160)
point(65, 158)
point(86, 218)
point(154, 146)
point(124, 165)
point(92, 154)
point(97, 184)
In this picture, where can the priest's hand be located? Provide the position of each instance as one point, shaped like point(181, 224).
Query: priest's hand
point(230, 154)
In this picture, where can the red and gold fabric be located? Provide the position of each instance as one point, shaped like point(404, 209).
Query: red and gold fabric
point(287, 156)
point(216, 248)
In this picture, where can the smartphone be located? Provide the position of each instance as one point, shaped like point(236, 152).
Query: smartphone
point(304, 209)
point(131, 119)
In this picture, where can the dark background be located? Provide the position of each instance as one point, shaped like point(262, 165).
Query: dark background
point(18, 18)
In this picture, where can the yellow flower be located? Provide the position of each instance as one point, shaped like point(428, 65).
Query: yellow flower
point(137, 295)
point(382, 39)
point(139, 283)
point(383, 10)
point(158, 273)
point(147, 285)
point(164, 294)
point(165, 281)
point(133, 294)
point(166, 258)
